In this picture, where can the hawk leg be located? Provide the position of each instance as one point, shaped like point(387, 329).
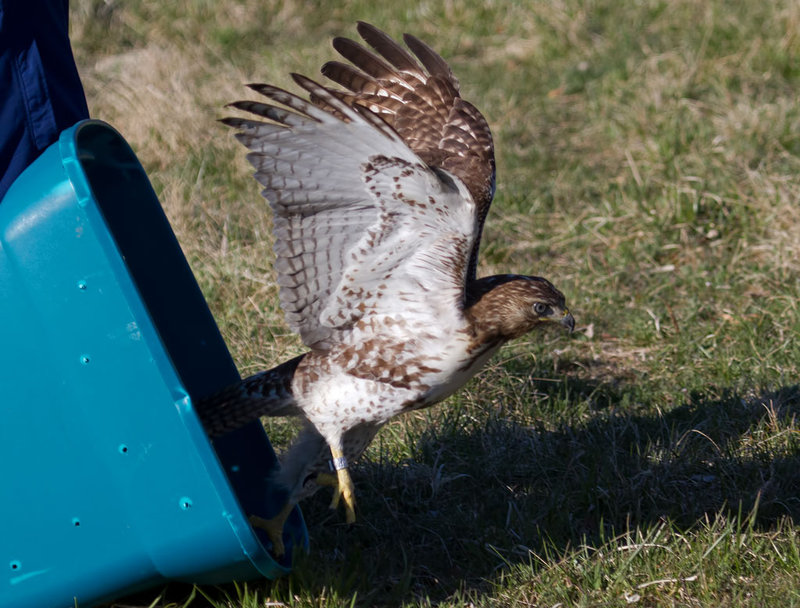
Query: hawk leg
point(274, 528)
point(342, 485)
point(328, 479)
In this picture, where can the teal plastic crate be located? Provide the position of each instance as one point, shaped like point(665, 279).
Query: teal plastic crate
point(109, 483)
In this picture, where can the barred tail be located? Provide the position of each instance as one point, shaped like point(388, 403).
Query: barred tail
point(267, 393)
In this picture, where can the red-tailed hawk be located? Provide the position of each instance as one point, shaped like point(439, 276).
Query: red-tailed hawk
point(379, 193)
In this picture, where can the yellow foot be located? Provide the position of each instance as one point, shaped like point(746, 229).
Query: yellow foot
point(274, 528)
point(344, 486)
point(328, 479)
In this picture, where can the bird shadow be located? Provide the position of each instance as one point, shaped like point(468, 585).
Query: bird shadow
point(477, 498)
point(480, 494)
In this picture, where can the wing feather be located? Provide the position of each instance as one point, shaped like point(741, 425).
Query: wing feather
point(419, 97)
point(362, 225)
point(432, 61)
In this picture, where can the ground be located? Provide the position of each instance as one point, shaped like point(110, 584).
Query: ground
point(648, 162)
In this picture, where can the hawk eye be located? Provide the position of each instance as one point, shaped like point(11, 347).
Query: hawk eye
point(539, 308)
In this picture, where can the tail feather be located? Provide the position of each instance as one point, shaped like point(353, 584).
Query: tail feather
point(267, 393)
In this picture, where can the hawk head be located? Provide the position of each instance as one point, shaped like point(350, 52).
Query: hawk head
point(508, 306)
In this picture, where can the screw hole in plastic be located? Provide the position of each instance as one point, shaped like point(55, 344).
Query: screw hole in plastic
point(15, 565)
point(185, 503)
point(123, 449)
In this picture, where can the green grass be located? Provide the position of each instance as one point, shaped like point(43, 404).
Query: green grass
point(648, 159)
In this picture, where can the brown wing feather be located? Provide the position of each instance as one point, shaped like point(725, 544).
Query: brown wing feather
point(419, 98)
point(432, 61)
point(392, 52)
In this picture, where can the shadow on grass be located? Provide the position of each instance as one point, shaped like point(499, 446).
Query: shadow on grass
point(482, 493)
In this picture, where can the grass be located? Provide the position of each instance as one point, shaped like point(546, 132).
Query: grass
point(648, 158)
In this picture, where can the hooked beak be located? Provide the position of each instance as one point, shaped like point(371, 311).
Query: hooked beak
point(568, 321)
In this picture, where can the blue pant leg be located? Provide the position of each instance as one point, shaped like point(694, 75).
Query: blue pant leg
point(40, 90)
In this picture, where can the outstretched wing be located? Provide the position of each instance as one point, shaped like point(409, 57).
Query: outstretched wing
point(423, 105)
point(363, 226)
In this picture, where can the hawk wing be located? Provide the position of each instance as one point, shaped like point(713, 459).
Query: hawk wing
point(363, 226)
point(423, 105)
